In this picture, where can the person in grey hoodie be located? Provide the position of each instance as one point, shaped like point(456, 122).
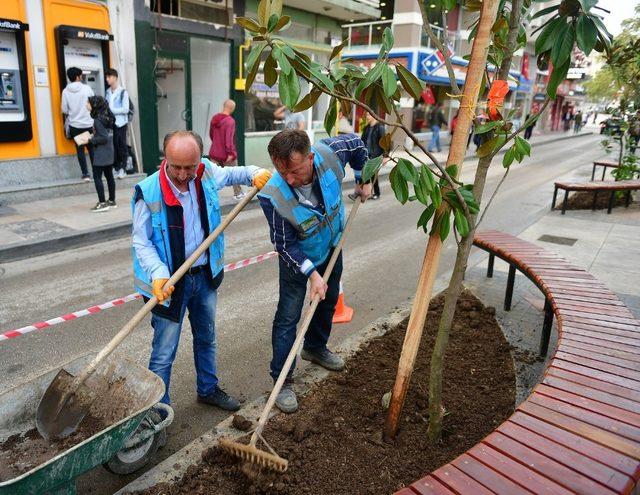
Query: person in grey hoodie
point(74, 110)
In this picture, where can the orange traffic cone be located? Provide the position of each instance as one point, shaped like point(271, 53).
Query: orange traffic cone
point(343, 313)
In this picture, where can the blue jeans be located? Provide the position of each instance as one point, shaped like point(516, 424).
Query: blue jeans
point(293, 291)
point(200, 299)
point(435, 138)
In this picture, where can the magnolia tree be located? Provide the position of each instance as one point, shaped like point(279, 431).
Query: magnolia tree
point(448, 205)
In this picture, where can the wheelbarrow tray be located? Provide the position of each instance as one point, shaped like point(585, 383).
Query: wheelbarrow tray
point(138, 390)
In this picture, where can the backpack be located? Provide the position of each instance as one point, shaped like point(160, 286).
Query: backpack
point(131, 107)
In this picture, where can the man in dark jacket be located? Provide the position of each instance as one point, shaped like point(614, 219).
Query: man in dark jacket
point(222, 132)
point(436, 121)
point(373, 132)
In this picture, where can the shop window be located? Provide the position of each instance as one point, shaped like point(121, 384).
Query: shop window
point(214, 11)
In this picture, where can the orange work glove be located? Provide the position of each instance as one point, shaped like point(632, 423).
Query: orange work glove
point(261, 178)
point(157, 286)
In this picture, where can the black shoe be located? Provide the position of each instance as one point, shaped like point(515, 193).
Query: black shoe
point(220, 399)
point(352, 196)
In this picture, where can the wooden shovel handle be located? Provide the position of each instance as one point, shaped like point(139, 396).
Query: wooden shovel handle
point(146, 309)
point(303, 329)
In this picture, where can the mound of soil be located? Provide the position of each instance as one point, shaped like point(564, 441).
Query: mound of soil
point(334, 442)
point(583, 200)
point(22, 452)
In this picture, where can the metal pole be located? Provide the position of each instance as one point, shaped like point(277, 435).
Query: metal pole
point(508, 296)
point(546, 328)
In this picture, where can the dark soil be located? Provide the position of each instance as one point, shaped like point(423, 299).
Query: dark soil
point(22, 452)
point(583, 200)
point(334, 442)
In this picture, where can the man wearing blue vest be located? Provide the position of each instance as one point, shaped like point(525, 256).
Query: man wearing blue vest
point(303, 205)
point(174, 210)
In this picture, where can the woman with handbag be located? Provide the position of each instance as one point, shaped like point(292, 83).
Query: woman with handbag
point(103, 152)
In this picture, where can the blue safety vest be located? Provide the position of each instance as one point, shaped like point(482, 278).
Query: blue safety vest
point(158, 196)
point(317, 232)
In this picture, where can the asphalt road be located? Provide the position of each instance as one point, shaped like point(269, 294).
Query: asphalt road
point(382, 260)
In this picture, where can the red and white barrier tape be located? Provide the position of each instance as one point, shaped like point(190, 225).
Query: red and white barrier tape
point(118, 302)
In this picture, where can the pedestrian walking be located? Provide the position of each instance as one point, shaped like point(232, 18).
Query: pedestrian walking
point(292, 120)
point(101, 141)
point(373, 132)
point(118, 99)
point(529, 129)
point(303, 206)
point(174, 210)
point(222, 132)
point(577, 122)
point(76, 116)
point(436, 122)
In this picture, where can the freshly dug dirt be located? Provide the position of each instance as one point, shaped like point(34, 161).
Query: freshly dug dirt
point(334, 442)
point(22, 452)
point(583, 200)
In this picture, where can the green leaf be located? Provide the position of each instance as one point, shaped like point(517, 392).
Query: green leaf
point(321, 76)
point(545, 40)
point(399, 185)
point(387, 39)
point(444, 225)
point(486, 148)
point(308, 100)
point(276, 7)
point(508, 157)
point(283, 61)
point(273, 20)
point(452, 170)
point(436, 195)
point(429, 180)
point(270, 73)
point(248, 24)
point(409, 81)
point(282, 24)
point(330, 116)
point(564, 37)
point(253, 72)
point(371, 168)
point(426, 216)
point(558, 75)
point(481, 129)
point(289, 88)
point(254, 54)
point(523, 146)
point(288, 51)
point(545, 11)
point(587, 5)
point(337, 49)
point(605, 36)
point(462, 226)
point(586, 33)
point(408, 171)
point(421, 194)
point(388, 81)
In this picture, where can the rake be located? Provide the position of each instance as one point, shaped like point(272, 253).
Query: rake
point(250, 453)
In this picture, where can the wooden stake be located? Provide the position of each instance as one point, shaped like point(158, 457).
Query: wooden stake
point(434, 246)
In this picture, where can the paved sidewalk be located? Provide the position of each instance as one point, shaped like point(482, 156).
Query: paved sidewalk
point(46, 226)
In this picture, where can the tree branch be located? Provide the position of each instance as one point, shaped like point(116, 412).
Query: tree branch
point(426, 26)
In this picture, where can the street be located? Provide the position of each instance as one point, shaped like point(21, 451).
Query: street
point(382, 261)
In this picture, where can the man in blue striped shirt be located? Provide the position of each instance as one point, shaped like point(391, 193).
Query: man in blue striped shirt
point(303, 206)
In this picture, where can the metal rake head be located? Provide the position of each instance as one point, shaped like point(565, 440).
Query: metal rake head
point(254, 455)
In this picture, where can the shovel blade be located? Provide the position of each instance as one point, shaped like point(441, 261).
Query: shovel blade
point(63, 406)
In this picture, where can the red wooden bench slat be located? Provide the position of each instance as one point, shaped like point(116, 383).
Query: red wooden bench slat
point(486, 476)
point(611, 425)
point(606, 334)
point(629, 322)
point(516, 472)
point(545, 466)
point(406, 491)
point(600, 473)
point(595, 406)
point(592, 393)
point(598, 435)
point(597, 374)
point(585, 307)
point(605, 345)
point(599, 185)
point(622, 359)
point(584, 446)
point(431, 486)
point(599, 365)
point(457, 481)
point(611, 300)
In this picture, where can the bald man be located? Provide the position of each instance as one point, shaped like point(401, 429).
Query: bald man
point(222, 132)
point(174, 210)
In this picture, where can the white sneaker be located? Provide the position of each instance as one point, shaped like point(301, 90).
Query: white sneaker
point(238, 197)
point(121, 174)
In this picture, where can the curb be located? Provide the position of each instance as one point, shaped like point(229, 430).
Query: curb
point(175, 466)
point(23, 250)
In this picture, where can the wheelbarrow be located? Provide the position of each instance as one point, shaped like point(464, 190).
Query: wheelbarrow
point(137, 430)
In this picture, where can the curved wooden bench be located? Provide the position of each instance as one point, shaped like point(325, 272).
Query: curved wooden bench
point(605, 164)
point(579, 430)
point(596, 187)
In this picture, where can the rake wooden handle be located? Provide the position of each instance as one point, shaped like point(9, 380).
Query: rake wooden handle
point(302, 331)
point(175, 278)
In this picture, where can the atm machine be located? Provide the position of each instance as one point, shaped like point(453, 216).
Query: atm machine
point(87, 49)
point(15, 111)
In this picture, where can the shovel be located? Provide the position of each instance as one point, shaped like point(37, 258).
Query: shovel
point(68, 399)
point(250, 453)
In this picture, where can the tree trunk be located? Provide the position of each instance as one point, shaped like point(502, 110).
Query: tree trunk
point(454, 290)
point(457, 151)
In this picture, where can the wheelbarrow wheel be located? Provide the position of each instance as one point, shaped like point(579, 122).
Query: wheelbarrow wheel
point(130, 460)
